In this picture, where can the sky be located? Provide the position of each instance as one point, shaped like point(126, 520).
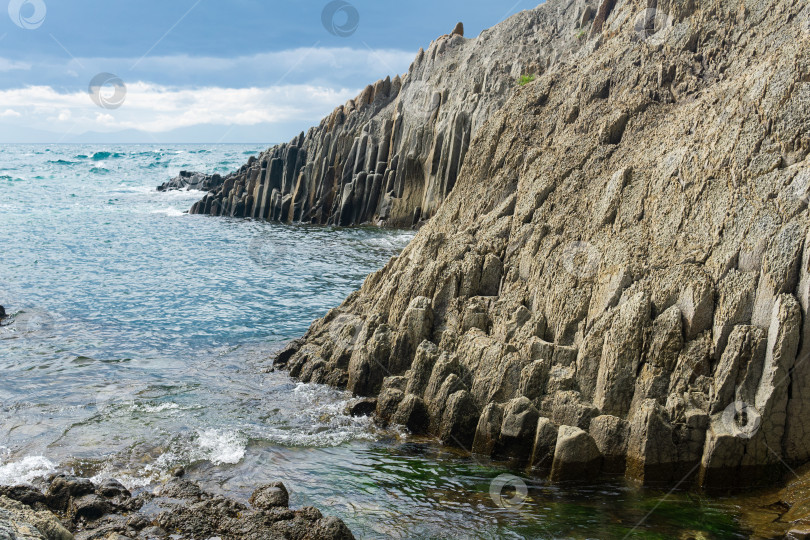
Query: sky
point(206, 71)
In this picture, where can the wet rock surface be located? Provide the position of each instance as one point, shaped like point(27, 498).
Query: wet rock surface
point(779, 513)
point(618, 280)
point(189, 180)
point(76, 508)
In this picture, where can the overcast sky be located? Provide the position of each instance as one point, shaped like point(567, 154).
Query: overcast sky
point(237, 70)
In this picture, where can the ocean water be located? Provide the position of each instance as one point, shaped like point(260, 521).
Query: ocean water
point(140, 336)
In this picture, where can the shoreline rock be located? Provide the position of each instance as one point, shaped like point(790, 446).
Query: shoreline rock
point(189, 181)
point(621, 266)
point(75, 508)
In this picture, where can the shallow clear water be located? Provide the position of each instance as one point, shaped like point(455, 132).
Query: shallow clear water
point(140, 340)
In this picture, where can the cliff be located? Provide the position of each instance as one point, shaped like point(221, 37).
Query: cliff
point(393, 154)
point(619, 280)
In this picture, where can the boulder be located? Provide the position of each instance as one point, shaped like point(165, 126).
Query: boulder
point(488, 430)
point(518, 429)
point(413, 414)
point(459, 420)
point(363, 407)
point(20, 522)
point(270, 496)
point(576, 456)
point(544, 445)
point(611, 434)
point(651, 453)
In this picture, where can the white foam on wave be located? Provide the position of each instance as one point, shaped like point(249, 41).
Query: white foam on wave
point(25, 470)
point(220, 447)
point(156, 408)
point(171, 212)
point(327, 423)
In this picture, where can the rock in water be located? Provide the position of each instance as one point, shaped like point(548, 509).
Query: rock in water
point(193, 181)
point(619, 279)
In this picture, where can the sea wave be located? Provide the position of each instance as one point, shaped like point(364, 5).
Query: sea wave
point(220, 447)
point(101, 156)
point(25, 470)
point(171, 212)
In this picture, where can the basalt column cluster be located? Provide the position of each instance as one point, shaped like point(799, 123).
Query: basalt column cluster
point(393, 154)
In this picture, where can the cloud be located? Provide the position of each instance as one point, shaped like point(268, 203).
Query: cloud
point(12, 65)
point(290, 89)
point(156, 108)
point(318, 66)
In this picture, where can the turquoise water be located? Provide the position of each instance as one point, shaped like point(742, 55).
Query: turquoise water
point(140, 337)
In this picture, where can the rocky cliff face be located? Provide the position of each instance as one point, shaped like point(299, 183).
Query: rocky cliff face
point(620, 278)
point(393, 154)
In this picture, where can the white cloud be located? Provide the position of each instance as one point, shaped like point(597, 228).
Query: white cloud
point(293, 88)
point(157, 108)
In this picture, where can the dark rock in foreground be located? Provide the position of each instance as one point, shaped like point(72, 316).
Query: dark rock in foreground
point(178, 510)
point(193, 181)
